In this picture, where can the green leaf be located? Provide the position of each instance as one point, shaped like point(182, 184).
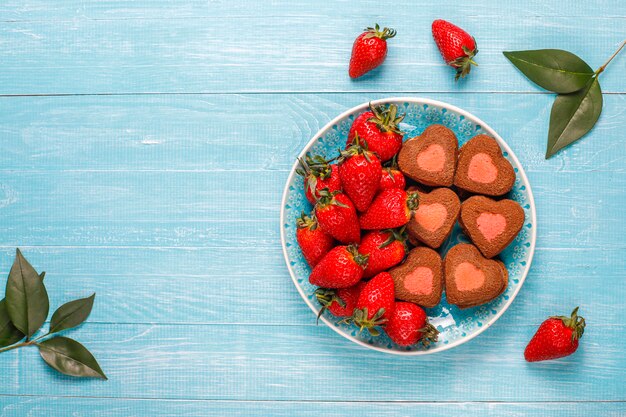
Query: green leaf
point(553, 69)
point(573, 115)
point(26, 297)
point(9, 334)
point(70, 358)
point(71, 314)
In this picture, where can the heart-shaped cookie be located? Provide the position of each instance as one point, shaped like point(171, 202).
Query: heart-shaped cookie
point(470, 279)
point(431, 157)
point(420, 278)
point(491, 225)
point(434, 218)
point(482, 168)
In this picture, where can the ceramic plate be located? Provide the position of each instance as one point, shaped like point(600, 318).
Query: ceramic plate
point(455, 326)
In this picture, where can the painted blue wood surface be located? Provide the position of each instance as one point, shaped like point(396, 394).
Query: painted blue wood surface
point(148, 197)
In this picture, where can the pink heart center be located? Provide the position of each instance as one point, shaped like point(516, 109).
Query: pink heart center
point(481, 169)
point(491, 225)
point(431, 216)
point(468, 277)
point(420, 281)
point(432, 158)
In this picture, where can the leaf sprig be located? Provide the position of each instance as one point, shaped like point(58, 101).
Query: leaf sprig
point(24, 311)
point(578, 104)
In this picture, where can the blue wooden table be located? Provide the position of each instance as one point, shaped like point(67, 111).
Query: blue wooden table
point(144, 146)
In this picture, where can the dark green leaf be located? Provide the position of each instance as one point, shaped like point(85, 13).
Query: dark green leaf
point(553, 69)
point(71, 314)
point(70, 358)
point(9, 334)
point(573, 115)
point(26, 296)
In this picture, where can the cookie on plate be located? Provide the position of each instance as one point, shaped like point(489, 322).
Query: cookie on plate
point(435, 216)
point(420, 278)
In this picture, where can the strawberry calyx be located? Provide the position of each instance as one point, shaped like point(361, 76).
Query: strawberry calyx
point(412, 200)
point(356, 148)
point(430, 334)
point(326, 198)
point(386, 118)
point(386, 33)
point(315, 165)
point(326, 297)
point(395, 235)
point(359, 258)
point(360, 318)
point(574, 322)
point(463, 64)
point(306, 222)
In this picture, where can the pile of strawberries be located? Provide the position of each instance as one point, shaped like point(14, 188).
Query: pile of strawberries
point(355, 232)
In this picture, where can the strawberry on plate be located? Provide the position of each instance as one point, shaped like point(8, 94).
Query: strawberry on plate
point(386, 249)
point(375, 304)
point(409, 325)
point(318, 174)
point(457, 47)
point(369, 50)
point(556, 337)
point(390, 209)
point(340, 302)
point(379, 130)
point(392, 177)
point(313, 242)
point(360, 171)
point(337, 216)
point(342, 267)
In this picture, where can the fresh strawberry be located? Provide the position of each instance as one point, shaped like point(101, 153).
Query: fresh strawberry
point(390, 209)
point(360, 172)
point(318, 174)
point(556, 337)
point(340, 302)
point(313, 242)
point(337, 216)
point(409, 325)
point(378, 130)
point(375, 304)
point(369, 50)
point(386, 248)
point(392, 177)
point(457, 47)
point(342, 267)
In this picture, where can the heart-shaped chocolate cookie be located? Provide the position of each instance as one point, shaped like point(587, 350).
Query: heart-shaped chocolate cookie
point(492, 225)
point(434, 218)
point(420, 278)
point(431, 157)
point(472, 280)
point(482, 168)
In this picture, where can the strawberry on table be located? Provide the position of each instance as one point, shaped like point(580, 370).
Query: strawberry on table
point(378, 130)
point(313, 242)
point(342, 267)
point(409, 325)
point(336, 216)
point(369, 50)
point(386, 249)
point(392, 177)
point(556, 337)
point(457, 47)
point(360, 171)
point(375, 304)
point(340, 302)
point(318, 174)
point(390, 209)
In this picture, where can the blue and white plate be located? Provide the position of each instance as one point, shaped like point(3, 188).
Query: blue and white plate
point(455, 326)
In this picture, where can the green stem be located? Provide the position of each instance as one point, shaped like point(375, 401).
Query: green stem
point(19, 345)
point(599, 70)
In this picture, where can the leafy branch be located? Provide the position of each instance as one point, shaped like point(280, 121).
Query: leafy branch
point(24, 311)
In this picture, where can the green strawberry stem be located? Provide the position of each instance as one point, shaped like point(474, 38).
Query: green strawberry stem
point(430, 334)
point(326, 198)
point(385, 118)
point(395, 235)
point(359, 258)
point(326, 297)
point(413, 201)
point(574, 322)
point(464, 64)
point(386, 33)
point(360, 319)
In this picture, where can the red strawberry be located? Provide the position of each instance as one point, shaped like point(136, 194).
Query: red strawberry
point(360, 172)
point(386, 248)
point(342, 267)
point(369, 50)
point(457, 47)
point(313, 242)
point(318, 174)
point(390, 209)
point(378, 130)
point(409, 325)
point(392, 177)
point(340, 302)
point(337, 216)
point(556, 337)
point(375, 304)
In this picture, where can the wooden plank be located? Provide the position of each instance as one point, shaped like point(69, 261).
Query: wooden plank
point(312, 363)
point(309, 53)
point(259, 132)
point(103, 407)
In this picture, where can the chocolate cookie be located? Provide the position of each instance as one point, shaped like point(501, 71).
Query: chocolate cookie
point(482, 169)
point(420, 278)
point(435, 216)
point(431, 157)
point(470, 279)
point(491, 225)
